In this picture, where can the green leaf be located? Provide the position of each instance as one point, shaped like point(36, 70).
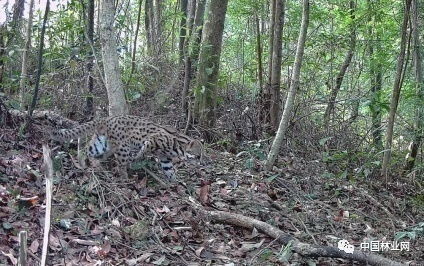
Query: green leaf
point(209, 71)
point(286, 252)
point(271, 178)
point(250, 163)
point(401, 235)
point(7, 226)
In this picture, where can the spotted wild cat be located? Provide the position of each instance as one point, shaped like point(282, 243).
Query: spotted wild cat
point(131, 137)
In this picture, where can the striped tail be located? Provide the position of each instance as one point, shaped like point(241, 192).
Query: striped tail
point(76, 132)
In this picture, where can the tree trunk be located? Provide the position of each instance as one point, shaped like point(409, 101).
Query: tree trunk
point(18, 11)
point(183, 30)
point(157, 18)
point(89, 103)
point(259, 54)
point(377, 83)
point(209, 58)
point(272, 4)
point(115, 91)
point(24, 72)
point(265, 98)
point(137, 28)
point(339, 79)
point(377, 79)
point(395, 96)
point(275, 105)
point(197, 32)
point(39, 68)
point(3, 33)
point(419, 117)
point(148, 9)
point(294, 85)
point(187, 57)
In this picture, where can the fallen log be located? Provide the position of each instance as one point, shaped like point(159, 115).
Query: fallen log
point(54, 118)
point(304, 249)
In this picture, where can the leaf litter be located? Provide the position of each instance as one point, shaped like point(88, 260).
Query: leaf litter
point(99, 219)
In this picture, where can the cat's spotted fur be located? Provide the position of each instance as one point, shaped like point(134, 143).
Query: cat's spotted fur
point(131, 137)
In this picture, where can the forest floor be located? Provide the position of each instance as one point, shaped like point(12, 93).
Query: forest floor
point(98, 219)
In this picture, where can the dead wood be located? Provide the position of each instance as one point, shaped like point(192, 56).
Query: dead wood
point(52, 117)
point(304, 249)
point(48, 164)
point(23, 248)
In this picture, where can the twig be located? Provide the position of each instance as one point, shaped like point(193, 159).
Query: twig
point(262, 250)
point(49, 181)
point(167, 248)
point(380, 205)
point(155, 177)
point(307, 230)
point(22, 260)
point(34, 257)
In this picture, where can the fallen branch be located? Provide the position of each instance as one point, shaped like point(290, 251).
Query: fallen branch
point(304, 249)
point(49, 181)
point(51, 116)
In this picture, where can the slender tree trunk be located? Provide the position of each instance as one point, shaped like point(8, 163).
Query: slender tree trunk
point(89, 102)
point(183, 30)
point(264, 113)
point(376, 85)
point(396, 93)
point(419, 117)
point(148, 7)
point(18, 11)
point(275, 105)
point(3, 33)
point(348, 58)
point(39, 68)
point(157, 19)
point(24, 71)
point(377, 79)
point(197, 32)
point(115, 91)
point(294, 85)
point(137, 28)
point(209, 58)
point(272, 4)
point(259, 55)
point(187, 57)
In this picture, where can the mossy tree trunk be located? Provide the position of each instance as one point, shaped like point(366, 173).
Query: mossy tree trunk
point(209, 57)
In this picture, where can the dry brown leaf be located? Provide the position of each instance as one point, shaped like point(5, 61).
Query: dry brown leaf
point(199, 251)
point(54, 243)
point(249, 246)
point(104, 250)
point(34, 246)
point(164, 209)
point(204, 192)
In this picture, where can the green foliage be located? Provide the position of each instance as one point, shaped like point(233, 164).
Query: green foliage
point(412, 234)
point(418, 201)
point(254, 152)
point(286, 252)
